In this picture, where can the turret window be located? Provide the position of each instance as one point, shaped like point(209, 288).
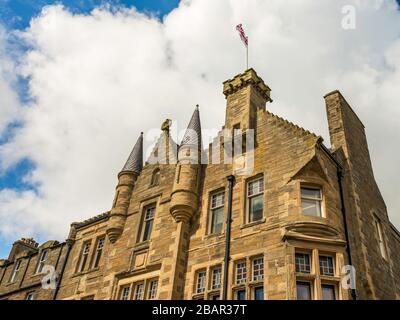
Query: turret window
point(311, 199)
point(42, 261)
point(217, 212)
point(148, 220)
point(255, 195)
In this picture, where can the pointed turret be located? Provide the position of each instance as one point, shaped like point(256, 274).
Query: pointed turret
point(126, 182)
point(135, 160)
point(191, 146)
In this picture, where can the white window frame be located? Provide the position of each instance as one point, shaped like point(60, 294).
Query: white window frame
point(84, 259)
point(309, 259)
point(98, 252)
point(333, 265)
point(260, 269)
point(201, 281)
point(139, 291)
point(16, 270)
point(214, 206)
point(216, 278)
point(249, 197)
point(125, 292)
point(42, 260)
point(316, 200)
point(242, 271)
point(153, 288)
point(146, 219)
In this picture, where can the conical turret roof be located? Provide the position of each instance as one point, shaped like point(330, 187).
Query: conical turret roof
point(135, 159)
point(193, 132)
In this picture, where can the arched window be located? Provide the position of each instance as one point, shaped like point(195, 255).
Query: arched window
point(155, 179)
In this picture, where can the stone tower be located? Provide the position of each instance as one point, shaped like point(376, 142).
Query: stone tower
point(364, 202)
point(126, 182)
point(185, 197)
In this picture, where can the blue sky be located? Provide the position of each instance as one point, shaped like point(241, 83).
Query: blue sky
point(16, 14)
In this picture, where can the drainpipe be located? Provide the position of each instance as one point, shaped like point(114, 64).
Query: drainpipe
point(69, 247)
point(231, 181)
point(346, 230)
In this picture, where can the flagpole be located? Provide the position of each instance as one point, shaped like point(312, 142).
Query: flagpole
point(247, 57)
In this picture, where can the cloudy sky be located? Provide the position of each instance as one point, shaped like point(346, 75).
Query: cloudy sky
point(80, 79)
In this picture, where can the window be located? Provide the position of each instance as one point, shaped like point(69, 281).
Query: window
point(84, 256)
point(258, 269)
point(139, 291)
point(259, 293)
point(201, 282)
point(215, 297)
point(15, 272)
point(216, 278)
point(311, 199)
point(303, 290)
point(125, 292)
point(42, 260)
point(241, 295)
point(217, 212)
point(153, 289)
point(30, 296)
point(255, 190)
point(241, 272)
point(302, 261)
point(148, 223)
point(155, 178)
point(99, 250)
point(328, 292)
point(326, 266)
point(381, 239)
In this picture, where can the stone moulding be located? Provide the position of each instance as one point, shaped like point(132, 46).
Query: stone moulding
point(312, 231)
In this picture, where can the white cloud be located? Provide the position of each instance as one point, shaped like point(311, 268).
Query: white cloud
point(100, 79)
point(9, 105)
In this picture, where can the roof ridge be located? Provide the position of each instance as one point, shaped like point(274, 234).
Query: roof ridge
point(291, 124)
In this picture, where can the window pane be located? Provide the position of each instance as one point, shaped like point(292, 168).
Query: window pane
point(259, 293)
point(241, 295)
point(303, 291)
point(326, 265)
point(258, 269)
point(328, 292)
point(311, 193)
point(217, 200)
point(147, 230)
point(302, 261)
point(217, 220)
point(256, 208)
point(255, 187)
point(216, 278)
point(241, 272)
point(201, 282)
point(311, 207)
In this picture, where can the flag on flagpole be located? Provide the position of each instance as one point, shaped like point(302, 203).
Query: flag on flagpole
point(242, 34)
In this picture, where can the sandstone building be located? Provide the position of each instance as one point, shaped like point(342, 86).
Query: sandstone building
point(299, 211)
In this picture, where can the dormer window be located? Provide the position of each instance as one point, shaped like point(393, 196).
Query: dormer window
point(311, 199)
point(42, 261)
point(16, 270)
